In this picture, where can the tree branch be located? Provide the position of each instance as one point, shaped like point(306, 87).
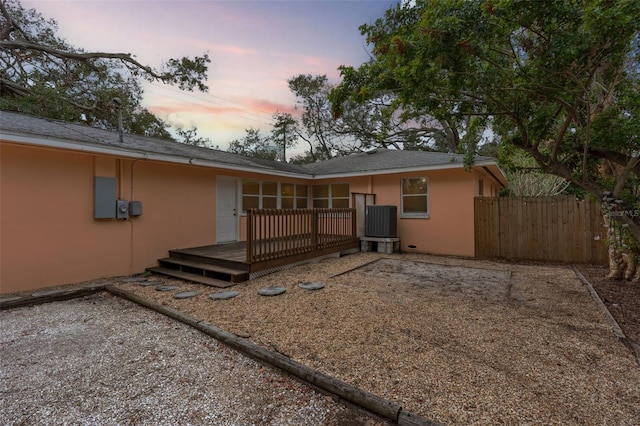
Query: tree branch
point(619, 158)
point(79, 56)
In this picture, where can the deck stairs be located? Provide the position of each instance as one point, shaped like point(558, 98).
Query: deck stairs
point(203, 269)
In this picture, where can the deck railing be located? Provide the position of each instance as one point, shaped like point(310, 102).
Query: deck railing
point(281, 233)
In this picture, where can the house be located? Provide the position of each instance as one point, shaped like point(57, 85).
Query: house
point(77, 203)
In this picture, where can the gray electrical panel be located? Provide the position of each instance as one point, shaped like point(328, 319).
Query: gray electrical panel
point(104, 206)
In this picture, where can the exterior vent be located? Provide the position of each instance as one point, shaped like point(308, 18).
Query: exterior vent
point(381, 221)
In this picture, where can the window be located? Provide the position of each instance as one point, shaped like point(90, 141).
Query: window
point(335, 195)
point(273, 195)
point(480, 187)
point(301, 196)
point(269, 195)
point(415, 197)
point(288, 194)
point(293, 196)
point(250, 195)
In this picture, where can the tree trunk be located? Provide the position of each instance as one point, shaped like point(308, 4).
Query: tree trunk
point(630, 267)
point(633, 268)
point(636, 277)
point(616, 263)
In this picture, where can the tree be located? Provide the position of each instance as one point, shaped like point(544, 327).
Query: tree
point(190, 137)
point(317, 127)
point(42, 74)
point(284, 134)
point(559, 81)
point(254, 145)
point(527, 180)
point(363, 125)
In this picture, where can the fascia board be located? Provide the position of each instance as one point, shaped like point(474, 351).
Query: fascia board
point(444, 166)
point(128, 153)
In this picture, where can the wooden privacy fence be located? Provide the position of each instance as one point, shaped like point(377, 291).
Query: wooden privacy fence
point(554, 229)
point(292, 234)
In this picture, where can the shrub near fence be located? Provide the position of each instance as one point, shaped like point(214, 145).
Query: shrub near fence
point(551, 229)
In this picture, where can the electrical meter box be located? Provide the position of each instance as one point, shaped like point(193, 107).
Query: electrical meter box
point(122, 209)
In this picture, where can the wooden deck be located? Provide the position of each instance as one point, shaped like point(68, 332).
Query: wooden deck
point(275, 238)
point(232, 252)
point(234, 255)
point(224, 265)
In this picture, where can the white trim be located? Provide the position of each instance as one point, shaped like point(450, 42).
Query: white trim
point(407, 170)
point(416, 215)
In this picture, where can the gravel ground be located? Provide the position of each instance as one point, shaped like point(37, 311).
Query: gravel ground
point(457, 341)
point(100, 360)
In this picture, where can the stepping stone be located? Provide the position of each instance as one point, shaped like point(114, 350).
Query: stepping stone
point(311, 286)
point(134, 280)
point(9, 299)
point(271, 291)
point(186, 294)
point(149, 283)
point(48, 292)
point(224, 295)
point(167, 287)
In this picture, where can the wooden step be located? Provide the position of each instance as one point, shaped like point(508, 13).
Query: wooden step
point(205, 269)
point(187, 276)
point(194, 256)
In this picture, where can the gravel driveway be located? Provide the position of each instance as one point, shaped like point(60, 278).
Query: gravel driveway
point(103, 360)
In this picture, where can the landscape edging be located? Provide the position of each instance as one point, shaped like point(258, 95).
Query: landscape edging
point(635, 349)
point(373, 403)
point(58, 295)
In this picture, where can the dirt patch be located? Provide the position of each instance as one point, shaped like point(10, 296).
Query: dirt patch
point(442, 280)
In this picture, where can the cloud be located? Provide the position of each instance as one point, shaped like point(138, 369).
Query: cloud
point(235, 50)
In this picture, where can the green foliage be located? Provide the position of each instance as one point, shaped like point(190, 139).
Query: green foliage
point(190, 137)
point(374, 123)
point(557, 79)
point(41, 74)
point(254, 145)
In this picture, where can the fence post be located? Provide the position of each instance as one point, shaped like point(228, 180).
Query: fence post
point(354, 225)
point(250, 235)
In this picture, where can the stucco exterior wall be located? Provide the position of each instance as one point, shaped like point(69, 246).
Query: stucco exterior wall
point(48, 232)
point(449, 229)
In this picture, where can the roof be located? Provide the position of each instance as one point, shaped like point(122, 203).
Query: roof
point(54, 133)
point(383, 161)
point(44, 131)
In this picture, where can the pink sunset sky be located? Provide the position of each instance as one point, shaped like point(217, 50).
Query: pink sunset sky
point(255, 46)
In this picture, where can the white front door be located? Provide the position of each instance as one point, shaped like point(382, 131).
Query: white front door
point(226, 209)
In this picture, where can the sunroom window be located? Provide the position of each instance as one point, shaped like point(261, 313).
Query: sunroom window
point(334, 195)
point(273, 195)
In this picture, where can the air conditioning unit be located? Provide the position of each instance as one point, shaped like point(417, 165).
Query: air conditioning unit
point(381, 221)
